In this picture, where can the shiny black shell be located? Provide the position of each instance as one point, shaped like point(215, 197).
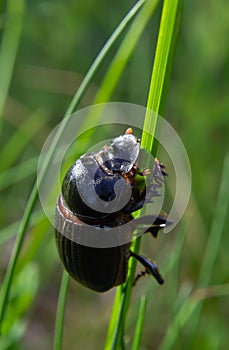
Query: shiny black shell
point(99, 172)
point(100, 269)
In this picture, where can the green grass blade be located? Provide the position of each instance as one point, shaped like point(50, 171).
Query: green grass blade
point(15, 254)
point(11, 230)
point(118, 317)
point(193, 306)
point(182, 316)
point(113, 319)
point(139, 327)
point(59, 326)
point(164, 55)
point(156, 101)
point(113, 38)
point(187, 311)
point(124, 52)
point(10, 153)
point(171, 265)
point(212, 248)
point(9, 45)
point(219, 220)
point(121, 59)
point(18, 172)
point(34, 194)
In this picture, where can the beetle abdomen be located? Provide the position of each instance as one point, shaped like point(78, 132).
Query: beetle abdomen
point(99, 269)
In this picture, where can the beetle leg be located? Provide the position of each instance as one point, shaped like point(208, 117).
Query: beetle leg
point(144, 224)
point(139, 275)
point(160, 223)
point(145, 172)
point(150, 266)
point(162, 167)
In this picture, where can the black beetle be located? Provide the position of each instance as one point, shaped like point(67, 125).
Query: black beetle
point(87, 190)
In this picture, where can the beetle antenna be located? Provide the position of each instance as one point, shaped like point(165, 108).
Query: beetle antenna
point(150, 266)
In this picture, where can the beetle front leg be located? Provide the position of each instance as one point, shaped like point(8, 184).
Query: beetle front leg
point(151, 267)
point(144, 224)
point(160, 223)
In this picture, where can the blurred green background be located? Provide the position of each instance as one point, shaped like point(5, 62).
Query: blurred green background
point(58, 43)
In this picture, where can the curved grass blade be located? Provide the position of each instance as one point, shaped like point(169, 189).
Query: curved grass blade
point(156, 101)
point(165, 50)
point(9, 45)
point(121, 59)
point(9, 153)
point(34, 194)
point(59, 325)
point(194, 304)
point(125, 51)
point(18, 172)
point(139, 327)
point(10, 231)
point(214, 238)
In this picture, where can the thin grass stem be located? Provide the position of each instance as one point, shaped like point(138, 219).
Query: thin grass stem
point(192, 308)
point(18, 172)
point(6, 285)
point(169, 25)
point(139, 326)
point(59, 324)
point(9, 46)
point(214, 239)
